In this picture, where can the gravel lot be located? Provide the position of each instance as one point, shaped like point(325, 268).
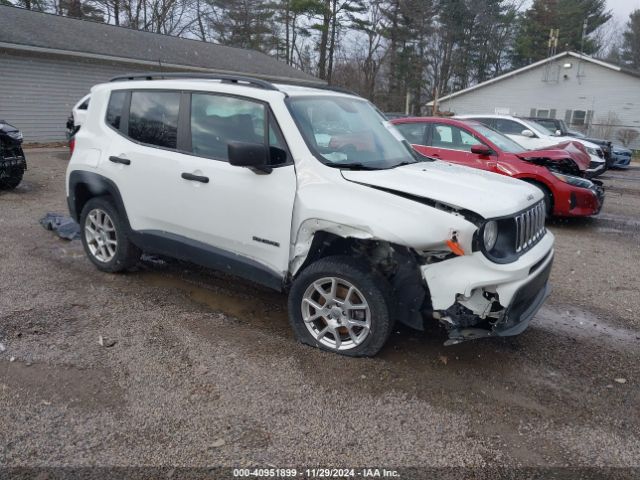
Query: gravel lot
point(205, 370)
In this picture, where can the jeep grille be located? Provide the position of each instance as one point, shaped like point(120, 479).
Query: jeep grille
point(530, 227)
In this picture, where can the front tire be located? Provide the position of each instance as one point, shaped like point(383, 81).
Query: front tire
point(11, 177)
point(343, 306)
point(105, 237)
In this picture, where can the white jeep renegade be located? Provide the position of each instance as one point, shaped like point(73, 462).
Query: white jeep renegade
point(309, 191)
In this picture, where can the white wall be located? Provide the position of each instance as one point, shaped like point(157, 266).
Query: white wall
point(599, 89)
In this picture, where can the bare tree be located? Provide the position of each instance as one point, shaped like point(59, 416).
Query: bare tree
point(604, 125)
point(627, 136)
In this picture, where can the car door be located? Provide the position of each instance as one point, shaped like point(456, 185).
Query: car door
point(453, 144)
point(143, 160)
point(234, 208)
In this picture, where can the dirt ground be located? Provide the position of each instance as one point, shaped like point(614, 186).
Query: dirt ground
point(205, 370)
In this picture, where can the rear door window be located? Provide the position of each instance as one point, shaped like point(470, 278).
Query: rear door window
point(413, 132)
point(153, 118)
point(452, 138)
point(509, 127)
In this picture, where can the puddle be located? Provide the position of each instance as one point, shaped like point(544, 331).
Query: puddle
point(263, 308)
point(625, 222)
point(231, 297)
point(585, 326)
point(603, 222)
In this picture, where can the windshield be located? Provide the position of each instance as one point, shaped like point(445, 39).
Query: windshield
point(503, 142)
point(350, 133)
point(536, 126)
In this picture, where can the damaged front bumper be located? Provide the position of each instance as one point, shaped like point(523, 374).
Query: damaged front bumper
point(473, 297)
point(12, 157)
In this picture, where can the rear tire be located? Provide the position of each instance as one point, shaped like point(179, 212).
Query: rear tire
point(11, 177)
point(105, 237)
point(342, 305)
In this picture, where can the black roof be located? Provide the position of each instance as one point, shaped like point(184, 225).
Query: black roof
point(36, 29)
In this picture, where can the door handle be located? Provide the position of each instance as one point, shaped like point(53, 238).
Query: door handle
point(195, 178)
point(435, 155)
point(123, 161)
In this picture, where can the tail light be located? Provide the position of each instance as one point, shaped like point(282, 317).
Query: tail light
point(72, 144)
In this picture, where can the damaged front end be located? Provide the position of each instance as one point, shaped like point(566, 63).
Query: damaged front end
point(565, 165)
point(496, 291)
point(483, 315)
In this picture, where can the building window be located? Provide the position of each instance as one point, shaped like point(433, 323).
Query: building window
point(578, 117)
point(543, 113)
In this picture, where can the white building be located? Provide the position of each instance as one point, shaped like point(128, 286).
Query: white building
point(592, 96)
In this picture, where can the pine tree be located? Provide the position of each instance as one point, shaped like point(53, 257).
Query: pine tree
point(631, 41)
point(566, 15)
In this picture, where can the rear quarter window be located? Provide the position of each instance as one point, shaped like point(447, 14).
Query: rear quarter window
point(114, 109)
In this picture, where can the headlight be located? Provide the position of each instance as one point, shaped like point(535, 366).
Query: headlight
point(593, 151)
point(575, 181)
point(490, 235)
point(15, 135)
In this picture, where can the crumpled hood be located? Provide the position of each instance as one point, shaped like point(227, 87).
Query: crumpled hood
point(573, 150)
point(487, 194)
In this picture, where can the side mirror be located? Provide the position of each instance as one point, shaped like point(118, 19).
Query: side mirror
point(250, 155)
point(481, 150)
point(527, 133)
point(558, 133)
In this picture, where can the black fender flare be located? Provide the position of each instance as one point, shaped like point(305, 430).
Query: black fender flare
point(84, 185)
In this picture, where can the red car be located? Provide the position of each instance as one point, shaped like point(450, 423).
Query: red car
point(559, 172)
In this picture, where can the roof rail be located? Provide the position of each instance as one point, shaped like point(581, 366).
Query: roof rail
point(256, 82)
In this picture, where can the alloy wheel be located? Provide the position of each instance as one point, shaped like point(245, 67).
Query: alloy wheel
point(100, 235)
point(336, 313)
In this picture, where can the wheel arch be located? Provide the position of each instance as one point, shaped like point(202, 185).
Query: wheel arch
point(85, 185)
point(397, 263)
point(544, 186)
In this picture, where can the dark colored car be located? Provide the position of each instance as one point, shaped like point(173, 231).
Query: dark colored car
point(560, 128)
point(12, 159)
point(559, 173)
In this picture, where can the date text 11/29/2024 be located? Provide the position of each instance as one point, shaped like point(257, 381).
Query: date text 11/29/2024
point(315, 473)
